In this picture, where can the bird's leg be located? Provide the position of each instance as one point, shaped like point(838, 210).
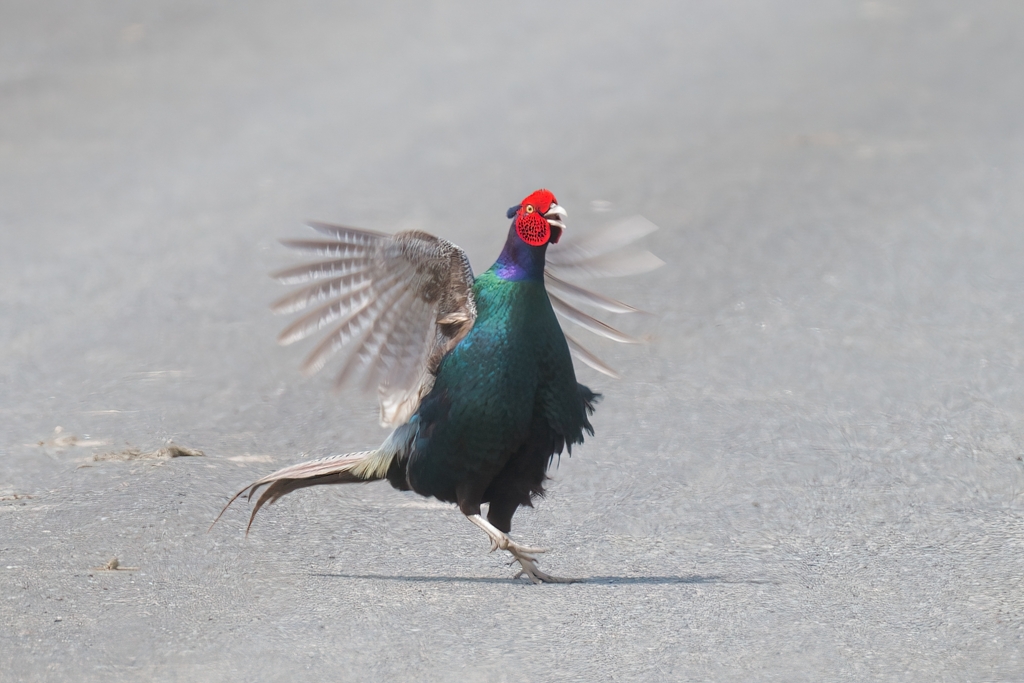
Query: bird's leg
point(521, 554)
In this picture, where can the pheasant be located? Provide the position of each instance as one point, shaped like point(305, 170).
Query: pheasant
point(474, 374)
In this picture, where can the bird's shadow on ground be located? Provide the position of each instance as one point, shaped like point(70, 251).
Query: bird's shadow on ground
point(589, 580)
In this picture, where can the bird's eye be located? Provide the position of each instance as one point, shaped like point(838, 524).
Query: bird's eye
point(529, 208)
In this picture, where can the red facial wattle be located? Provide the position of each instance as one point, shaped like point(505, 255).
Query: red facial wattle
point(533, 225)
point(532, 228)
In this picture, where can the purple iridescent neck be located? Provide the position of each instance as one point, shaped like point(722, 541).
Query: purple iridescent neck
point(518, 260)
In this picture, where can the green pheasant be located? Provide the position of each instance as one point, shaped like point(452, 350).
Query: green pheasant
point(475, 374)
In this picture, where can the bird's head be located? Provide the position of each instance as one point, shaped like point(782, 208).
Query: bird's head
point(538, 219)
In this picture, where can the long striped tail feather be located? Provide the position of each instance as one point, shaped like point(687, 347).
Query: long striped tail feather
point(335, 469)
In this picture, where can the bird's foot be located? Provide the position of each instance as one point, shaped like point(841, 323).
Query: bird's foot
point(530, 569)
point(520, 553)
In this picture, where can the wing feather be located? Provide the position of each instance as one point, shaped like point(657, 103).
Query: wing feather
point(373, 336)
point(588, 358)
point(318, 291)
point(581, 294)
point(399, 336)
point(327, 248)
point(609, 252)
point(347, 235)
point(397, 304)
point(349, 328)
point(589, 322)
point(321, 269)
point(318, 318)
point(615, 264)
point(356, 324)
point(604, 241)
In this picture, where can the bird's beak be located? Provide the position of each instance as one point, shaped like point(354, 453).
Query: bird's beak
point(554, 217)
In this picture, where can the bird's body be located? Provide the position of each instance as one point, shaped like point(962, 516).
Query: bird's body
point(486, 431)
point(498, 398)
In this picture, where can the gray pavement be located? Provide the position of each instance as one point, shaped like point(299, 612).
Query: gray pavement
point(812, 473)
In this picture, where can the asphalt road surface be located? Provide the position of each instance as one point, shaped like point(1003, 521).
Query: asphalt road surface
point(812, 472)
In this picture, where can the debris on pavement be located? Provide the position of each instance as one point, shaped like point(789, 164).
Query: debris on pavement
point(114, 565)
point(166, 453)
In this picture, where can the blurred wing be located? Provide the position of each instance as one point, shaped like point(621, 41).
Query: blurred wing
point(607, 253)
point(590, 359)
point(395, 303)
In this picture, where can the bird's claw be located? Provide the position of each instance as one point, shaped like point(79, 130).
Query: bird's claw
point(529, 567)
point(523, 555)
